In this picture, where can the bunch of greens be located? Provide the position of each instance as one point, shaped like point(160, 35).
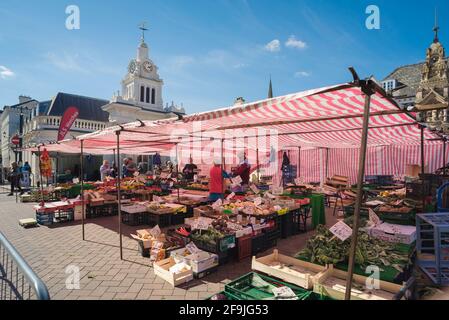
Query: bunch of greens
point(210, 235)
point(324, 248)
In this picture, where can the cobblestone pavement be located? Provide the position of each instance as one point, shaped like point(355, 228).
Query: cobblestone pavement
point(50, 250)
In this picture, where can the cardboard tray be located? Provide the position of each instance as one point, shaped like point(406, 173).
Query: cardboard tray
point(288, 269)
point(332, 283)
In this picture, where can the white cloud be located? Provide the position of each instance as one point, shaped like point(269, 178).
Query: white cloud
point(66, 62)
point(301, 74)
point(273, 46)
point(6, 73)
point(182, 61)
point(292, 42)
point(240, 65)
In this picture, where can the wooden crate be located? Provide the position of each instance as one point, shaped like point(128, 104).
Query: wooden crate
point(288, 269)
point(332, 283)
point(161, 269)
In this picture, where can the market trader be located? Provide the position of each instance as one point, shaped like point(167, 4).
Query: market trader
point(216, 181)
point(189, 170)
point(243, 169)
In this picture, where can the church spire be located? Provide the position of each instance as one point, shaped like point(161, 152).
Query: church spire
point(270, 90)
point(436, 28)
point(142, 27)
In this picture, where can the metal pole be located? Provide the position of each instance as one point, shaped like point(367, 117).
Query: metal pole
point(258, 165)
point(422, 168)
point(177, 169)
point(119, 198)
point(327, 162)
point(222, 167)
point(299, 162)
point(56, 171)
point(366, 88)
point(444, 156)
point(83, 206)
point(40, 174)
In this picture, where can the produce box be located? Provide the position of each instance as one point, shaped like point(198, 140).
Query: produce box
point(332, 283)
point(199, 262)
point(288, 269)
point(254, 286)
point(394, 233)
point(166, 270)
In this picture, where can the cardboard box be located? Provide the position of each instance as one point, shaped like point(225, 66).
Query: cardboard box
point(413, 170)
point(394, 233)
point(201, 261)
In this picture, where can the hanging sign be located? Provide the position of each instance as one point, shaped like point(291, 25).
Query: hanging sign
point(68, 118)
point(341, 230)
point(217, 204)
point(230, 196)
point(15, 140)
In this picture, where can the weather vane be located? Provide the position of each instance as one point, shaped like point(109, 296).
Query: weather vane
point(142, 27)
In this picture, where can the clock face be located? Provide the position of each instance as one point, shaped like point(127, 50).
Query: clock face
point(132, 66)
point(148, 66)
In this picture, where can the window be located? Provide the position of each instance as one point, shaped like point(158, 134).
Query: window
point(147, 100)
point(153, 96)
point(142, 93)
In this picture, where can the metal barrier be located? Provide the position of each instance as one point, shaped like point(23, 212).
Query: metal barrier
point(17, 280)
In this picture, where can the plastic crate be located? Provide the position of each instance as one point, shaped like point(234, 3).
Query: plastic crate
point(221, 245)
point(64, 215)
point(178, 218)
point(145, 252)
point(286, 225)
point(398, 218)
point(349, 211)
point(244, 289)
point(134, 219)
point(45, 219)
point(162, 220)
point(432, 246)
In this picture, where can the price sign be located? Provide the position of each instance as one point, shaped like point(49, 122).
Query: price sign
point(254, 188)
point(195, 178)
point(239, 218)
point(76, 180)
point(236, 181)
point(217, 204)
point(156, 231)
point(341, 230)
point(277, 190)
point(171, 184)
point(373, 217)
point(136, 174)
point(192, 248)
point(164, 175)
point(157, 199)
point(232, 195)
point(284, 293)
point(269, 195)
point(202, 224)
point(252, 220)
point(299, 181)
point(258, 201)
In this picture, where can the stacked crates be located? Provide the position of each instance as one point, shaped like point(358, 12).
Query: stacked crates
point(433, 246)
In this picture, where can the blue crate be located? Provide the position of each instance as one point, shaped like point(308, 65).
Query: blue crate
point(45, 219)
point(432, 246)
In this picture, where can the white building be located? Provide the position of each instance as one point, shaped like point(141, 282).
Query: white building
point(141, 98)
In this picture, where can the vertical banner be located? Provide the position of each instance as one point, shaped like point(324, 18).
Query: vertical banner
point(67, 120)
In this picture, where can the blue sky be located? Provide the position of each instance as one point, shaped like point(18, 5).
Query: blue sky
point(208, 52)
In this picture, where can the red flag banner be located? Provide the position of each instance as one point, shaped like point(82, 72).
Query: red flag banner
point(69, 117)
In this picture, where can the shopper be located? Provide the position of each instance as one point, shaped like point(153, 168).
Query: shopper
point(124, 168)
point(105, 170)
point(189, 170)
point(216, 188)
point(26, 167)
point(14, 178)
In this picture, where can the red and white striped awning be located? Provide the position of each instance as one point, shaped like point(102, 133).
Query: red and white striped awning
point(329, 117)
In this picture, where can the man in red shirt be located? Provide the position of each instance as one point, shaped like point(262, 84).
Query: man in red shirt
point(216, 189)
point(243, 169)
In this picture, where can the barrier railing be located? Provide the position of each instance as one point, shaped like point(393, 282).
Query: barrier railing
point(17, 280)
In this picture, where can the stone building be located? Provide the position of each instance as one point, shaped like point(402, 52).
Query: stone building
point(424, 87)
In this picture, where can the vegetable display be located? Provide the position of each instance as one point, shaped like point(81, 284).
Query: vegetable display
point(323, 249)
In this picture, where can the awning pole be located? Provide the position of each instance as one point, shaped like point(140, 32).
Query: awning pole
point(119, 197)
point(444, 156)
point(222, 167)
point(422, 168)
point(83, 206)
point(177, 170)
point(327, 163)
point(41, 187)
point(367, 88)
point(299, 162)
point(258, 164)
point(56, 171)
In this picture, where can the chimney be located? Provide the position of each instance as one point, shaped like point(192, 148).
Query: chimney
point(23, 99)
point(239, 100)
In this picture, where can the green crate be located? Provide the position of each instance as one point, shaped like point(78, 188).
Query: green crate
point(398, 218)
point(228, 295)
point(349, 211)
point(244, 289)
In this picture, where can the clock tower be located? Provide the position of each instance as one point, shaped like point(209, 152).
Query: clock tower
point(142, 85)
